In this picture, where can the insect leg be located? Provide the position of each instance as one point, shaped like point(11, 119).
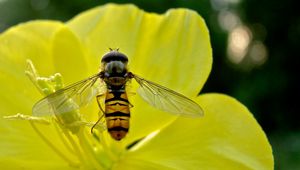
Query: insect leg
point(130, 105)
point(96, 123)
point(101, 110)
point(98, 102)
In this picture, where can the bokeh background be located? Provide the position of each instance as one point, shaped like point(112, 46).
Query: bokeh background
point(255, 49)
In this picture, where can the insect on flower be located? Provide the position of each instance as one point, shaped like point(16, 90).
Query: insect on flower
point(111, 83)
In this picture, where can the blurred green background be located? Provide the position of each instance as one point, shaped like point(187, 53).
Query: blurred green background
point(255, 55)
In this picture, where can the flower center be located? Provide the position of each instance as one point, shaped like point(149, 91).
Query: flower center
point(80, 147)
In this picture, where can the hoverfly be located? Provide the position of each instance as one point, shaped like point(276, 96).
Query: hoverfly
point(112, 79)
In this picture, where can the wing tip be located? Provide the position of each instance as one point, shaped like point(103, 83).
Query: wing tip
point(195, 113)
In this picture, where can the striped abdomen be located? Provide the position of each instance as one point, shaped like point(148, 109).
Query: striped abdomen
point(117, 113)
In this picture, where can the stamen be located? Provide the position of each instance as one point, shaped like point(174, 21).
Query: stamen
point(20, 116)
point(91, 152)
point(56, 150)
point(76, 148)
point(63, 139)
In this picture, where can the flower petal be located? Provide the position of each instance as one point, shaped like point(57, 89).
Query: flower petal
point(32, 40)
point(227, 137)
point(172, 49)
point(26, 41)
point(70, 58)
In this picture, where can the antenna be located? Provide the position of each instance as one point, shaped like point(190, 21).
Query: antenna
point(111, 49)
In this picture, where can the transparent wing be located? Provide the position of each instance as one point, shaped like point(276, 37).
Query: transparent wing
point(70, 98)
point(166, 99)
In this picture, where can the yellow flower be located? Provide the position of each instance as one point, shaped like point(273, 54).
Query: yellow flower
point(172, 49)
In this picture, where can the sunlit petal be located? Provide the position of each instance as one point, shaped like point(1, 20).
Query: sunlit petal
point(228, 137)
point(172, 49)
point(20, 146)
point(176, 42)
point(70, 58)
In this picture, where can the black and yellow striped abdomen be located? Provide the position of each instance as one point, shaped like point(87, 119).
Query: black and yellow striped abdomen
point(117, 113)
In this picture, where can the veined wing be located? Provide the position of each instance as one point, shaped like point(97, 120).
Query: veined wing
point(70, 98)
point(166, 99)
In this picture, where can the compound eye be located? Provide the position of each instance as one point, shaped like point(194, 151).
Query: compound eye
point(114, 56)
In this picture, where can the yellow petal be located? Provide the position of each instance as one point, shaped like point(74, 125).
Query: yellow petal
point(27, 41)
point(20, 146)
point(152, 42)
point(70, 58)
point(227, 137)
point(172, 49)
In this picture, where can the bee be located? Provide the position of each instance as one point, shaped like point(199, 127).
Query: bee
point(110, 83)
